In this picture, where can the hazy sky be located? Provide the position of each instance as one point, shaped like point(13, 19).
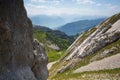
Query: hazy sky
point(72, 7)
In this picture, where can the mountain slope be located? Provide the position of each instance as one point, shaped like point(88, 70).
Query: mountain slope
point(54, 32)
point(107, 63)
point(56, 37)
point(79, 26)
point(55, 41)
point(100, 43)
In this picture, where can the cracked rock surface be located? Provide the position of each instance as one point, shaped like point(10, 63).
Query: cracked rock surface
point(17, 57)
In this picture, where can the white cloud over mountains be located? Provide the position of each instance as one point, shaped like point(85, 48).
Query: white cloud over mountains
point(53, 7)
point(38, 1)
point(85, 1)
point(56, 2)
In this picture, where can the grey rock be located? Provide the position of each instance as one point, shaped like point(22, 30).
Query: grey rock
point(68, 66)
point(105, 34)
point(16, 44)
point(40, 61)
point(105, 53)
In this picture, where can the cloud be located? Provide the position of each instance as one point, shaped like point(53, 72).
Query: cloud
point(57, 2)
point(58, 11)
point(35, 9)
point(98, 4)
point(54, 2)
point(84, 2)
point(114, 7)
point(41, 1)
point(36, 6)
point(111, 6)
point(105, 9)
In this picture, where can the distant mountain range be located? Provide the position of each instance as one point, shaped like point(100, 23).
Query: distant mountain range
point(57, 21)
point(55, 41)
point(57, 33)
point(49, 21)
point(79, 26)
point(49, 37)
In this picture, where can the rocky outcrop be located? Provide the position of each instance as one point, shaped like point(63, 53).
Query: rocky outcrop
point(95, 44)
point(39, 67)
point(105, 53)
point(17, 59)
point(106, 33)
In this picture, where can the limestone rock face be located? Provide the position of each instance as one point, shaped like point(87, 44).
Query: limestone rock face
point(98, 42)
point(40, 61)
point(105, 33)
point(17, 59)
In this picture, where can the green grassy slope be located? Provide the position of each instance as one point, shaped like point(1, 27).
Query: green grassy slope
point(47, 38)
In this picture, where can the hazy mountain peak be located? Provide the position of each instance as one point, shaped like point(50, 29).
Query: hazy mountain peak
point(79, 26)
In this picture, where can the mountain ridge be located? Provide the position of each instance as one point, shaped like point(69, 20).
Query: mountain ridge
point(55, 21)
point(79, 26)
point(98, 44)
point(55, 32)
point(55, 41)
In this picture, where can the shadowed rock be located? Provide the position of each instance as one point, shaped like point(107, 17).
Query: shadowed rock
point(16, 44)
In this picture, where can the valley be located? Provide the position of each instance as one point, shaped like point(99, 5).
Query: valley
point(64, 40)
point(93, 55)
point(55, 41)
point(94, 52)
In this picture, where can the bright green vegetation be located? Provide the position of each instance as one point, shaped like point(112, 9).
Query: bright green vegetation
point(40, 35)
point(55, 55)
point(112, 74)
point(62, 43)
point(48, 39)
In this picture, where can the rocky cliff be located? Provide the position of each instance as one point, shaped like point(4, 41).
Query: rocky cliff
point(21, 58)
point(105, 33)
point(94, 50)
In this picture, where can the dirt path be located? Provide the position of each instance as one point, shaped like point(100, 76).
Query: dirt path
point(107, 63)
point(50, 64)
